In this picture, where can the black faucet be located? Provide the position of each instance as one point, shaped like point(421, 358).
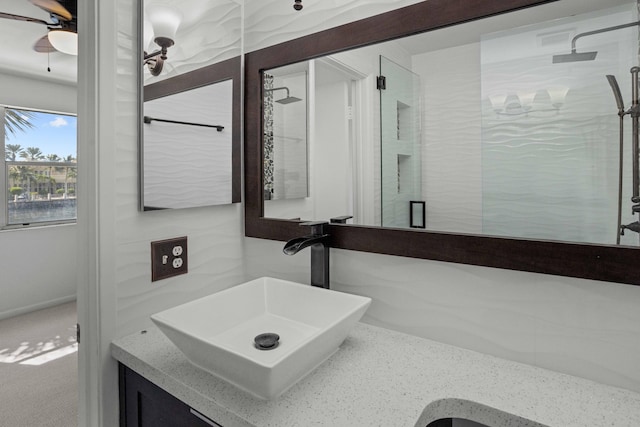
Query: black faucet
point(319, 242)
point(634, 226)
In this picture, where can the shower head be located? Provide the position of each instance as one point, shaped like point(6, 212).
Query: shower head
point(574, 57)
point(616, 92)
point(587, 56)
point(287, 99)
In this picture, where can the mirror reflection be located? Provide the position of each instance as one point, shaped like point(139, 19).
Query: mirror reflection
point(187, 157)
point(190, 103)
point(285, 133)
point(506, 126)
point(179, 36)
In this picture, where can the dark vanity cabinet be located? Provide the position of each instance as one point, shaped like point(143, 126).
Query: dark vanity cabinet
point(143, 404)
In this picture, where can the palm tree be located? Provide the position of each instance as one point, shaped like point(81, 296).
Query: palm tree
point(40, 179)
point(12, 151)
point(26, 174)
point(32, 153)
point(17, 120)
point(70, 173)
point(14, 177)
point(53, 158)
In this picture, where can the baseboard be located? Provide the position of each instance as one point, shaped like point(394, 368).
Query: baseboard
point(38, 306)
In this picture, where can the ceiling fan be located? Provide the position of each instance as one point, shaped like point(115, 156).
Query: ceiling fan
point(63, 25)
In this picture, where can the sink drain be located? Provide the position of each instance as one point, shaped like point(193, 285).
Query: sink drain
point(267, 341)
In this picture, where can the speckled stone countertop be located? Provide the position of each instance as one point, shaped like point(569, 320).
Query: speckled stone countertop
point(384, 378)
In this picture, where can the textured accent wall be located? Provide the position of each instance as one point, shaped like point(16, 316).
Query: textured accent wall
point(267, 136)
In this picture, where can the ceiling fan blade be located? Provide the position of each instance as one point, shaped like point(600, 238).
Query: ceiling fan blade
point(23, 18)
point(43, 45)
point(52, 6)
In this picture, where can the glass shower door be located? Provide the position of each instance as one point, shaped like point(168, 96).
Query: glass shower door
point(400, 143)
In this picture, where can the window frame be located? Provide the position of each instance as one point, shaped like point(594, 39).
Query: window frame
point(4, 172)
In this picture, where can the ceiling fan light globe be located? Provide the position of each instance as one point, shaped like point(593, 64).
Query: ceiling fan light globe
point(64, 41)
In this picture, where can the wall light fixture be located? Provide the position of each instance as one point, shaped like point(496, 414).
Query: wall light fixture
point(164, 22)
point(529, 101)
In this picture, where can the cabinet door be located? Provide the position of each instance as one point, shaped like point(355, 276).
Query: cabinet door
point(143, 404)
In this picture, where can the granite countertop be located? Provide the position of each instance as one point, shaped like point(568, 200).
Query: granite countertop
point(380, 377)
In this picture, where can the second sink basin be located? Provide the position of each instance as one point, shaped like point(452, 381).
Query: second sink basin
point(217, 333)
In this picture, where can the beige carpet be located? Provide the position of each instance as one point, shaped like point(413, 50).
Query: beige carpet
point(39, 369)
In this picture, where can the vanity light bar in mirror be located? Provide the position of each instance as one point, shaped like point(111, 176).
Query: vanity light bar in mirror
point(148, 120)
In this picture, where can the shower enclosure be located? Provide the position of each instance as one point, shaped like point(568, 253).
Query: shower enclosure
point(400, 144)
point(550, 117)
point(575, 56)
point(285, 134)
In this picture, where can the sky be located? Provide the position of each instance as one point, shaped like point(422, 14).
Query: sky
point(53, 133)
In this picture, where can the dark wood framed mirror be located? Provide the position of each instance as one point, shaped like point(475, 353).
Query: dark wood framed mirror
point(610, 263)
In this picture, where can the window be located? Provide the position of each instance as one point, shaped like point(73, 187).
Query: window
point(39, 169)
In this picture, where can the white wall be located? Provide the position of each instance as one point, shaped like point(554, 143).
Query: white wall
point(19, 91)
point(581, 327)
point(39, 264)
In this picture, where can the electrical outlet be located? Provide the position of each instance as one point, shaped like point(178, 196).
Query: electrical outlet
point(168, 258)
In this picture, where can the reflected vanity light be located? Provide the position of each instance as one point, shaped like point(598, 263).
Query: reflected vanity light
point(557, 96)
point(161, 27)
point(522, 102)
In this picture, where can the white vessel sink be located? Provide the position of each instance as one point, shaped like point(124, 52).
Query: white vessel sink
point(216, 333)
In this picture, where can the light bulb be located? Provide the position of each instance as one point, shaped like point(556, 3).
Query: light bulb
point(557, 96)
point(497, 102)
point(165, 21)
point(526, 99)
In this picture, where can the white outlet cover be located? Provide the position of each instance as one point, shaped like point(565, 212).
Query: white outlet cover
point(177, 250)
point(177, 263)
